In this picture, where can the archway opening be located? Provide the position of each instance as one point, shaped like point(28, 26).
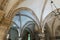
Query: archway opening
point(21, 18)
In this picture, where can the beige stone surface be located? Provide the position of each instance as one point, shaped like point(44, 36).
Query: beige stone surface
point(5, 15)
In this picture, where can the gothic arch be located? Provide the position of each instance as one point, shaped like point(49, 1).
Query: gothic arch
point(27, 27)
point(26, 32)
point(28, 24)
point(28, 9)
point(32, 21)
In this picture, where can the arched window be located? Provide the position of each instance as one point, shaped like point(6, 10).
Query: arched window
point(22, 17)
